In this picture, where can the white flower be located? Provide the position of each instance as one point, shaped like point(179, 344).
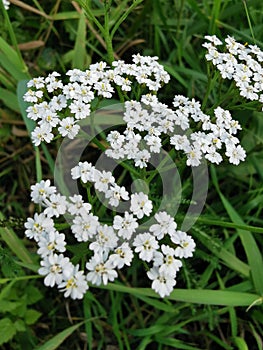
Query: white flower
point(42, 133)
point(39, 226)
point(214, 56)
point(77, 206)
point(186, 244)
point(33, 95)
point(52, 242)
point(42, 190)
point(50, 118)
point(124, 83)
point(59, 102)
point(53, 267)
point(68, 127)
point(100, 271)
point(52, 82)
point(122, 255)
point(180, 142)
point(74, 285)
point(6, 4)
point(115, 194)
point(170, 265)
point(80, 109)
point(214, 39)
point(102, 180)
point(166, 225)
point(104, 89)
point(84, 226)
point(235, 154)
point(85, 94)
point(84, 170)
point(34, 112)
point(70, 90)
point(193, 157)
point(115, 139)
point(162, 283)
point(213, 156)
point(141, 205)
point(145, 244)
point(56, 205)
point(105, 240)
point(125, 226)
point(154, 142)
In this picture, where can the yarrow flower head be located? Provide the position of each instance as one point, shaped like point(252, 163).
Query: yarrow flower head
point(69, 102)
point(113, 246)
point(150, 128)
point(238, 62)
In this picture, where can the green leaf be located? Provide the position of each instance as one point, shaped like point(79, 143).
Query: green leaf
point(58, 339)
point(33, 295)
point(20, 326)
point(9, 99)
point(7, 330)
point(8, 306)
point(10, 54)
point(31, 316)
point(10, 68)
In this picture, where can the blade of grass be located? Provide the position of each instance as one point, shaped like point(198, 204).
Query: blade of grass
point(248, 20)
point(8, 50)
point(198, 296)
point(58, 339)
point(14, 243)
point(240, 343)
point(80, 54)
point(222, 253)
point(10, 64)
point(214, 17)
point(227, 224)
point(175, 344)
point(9, 99)
point(253, 253)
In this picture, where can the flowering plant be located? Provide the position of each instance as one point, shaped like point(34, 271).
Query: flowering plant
point(184, 133)
point(240, 63)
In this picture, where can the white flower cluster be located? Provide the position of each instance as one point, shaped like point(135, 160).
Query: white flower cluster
point(59, 105)
point(241, 63)
point(155, 120)
point(150, 125)
point(6, 4)
point(112, 246)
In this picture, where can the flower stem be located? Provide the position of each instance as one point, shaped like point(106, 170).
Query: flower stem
point(107, 36)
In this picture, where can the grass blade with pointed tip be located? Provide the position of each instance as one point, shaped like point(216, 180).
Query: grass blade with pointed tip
point(198, 296)
point(253, 253)
point(58, 339)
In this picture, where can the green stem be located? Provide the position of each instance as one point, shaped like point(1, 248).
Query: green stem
point(38, 165)
point(208, 88)
point(86, 6)
point(107, 36)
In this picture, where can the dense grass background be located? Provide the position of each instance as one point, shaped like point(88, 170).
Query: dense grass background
point(218, 303)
